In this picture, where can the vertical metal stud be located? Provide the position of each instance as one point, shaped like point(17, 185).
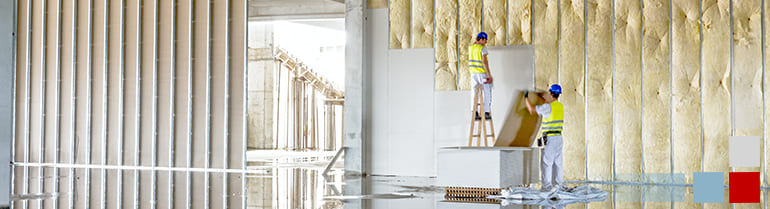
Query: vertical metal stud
point(42, 62)
point(105, 76)
point(172, 107)
point(207, 181)
point(121, 101)
point(671, 86)
point(57, 107)
point(614, 176)
point(641, 66)
point(73, 107)
point(27, 99)
point(189, 20)
point(227, 104)
point(700, 79)
point(138, 103)
point(154, 175)
point(764, 105)
point(585, 85)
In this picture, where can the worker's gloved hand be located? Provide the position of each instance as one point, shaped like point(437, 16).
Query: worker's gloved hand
point(489, 80)
point(526, 94)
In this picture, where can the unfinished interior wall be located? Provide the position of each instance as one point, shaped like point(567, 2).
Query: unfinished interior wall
point(716, 85)
point(573, 84)
point(469, 27)
point(656, 89)
point(627, 86)
point(519, 22)
point(422, 23)
point(747, 78)
point(446, 46)
point(546, 41)
point(109, 84)
point(400, 21)
point(651, 81)
point(599, 119)
point(494, 22)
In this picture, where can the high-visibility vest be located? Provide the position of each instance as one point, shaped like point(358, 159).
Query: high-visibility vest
point(554, 123)
point(475, 60)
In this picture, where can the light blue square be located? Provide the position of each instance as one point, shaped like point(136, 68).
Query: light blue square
point(708, 187)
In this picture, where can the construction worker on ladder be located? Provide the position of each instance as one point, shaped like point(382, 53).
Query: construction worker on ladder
point(480, 75)
point(552, 113)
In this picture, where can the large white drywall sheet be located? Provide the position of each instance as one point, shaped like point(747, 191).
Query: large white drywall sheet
point(410, 116)
point(377, 29)
point(511, 68)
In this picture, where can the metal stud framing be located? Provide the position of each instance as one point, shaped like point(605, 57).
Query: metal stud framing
point(131, 68)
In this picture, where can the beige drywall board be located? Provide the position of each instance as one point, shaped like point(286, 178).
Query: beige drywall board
point(494, 21)
point(573, 87)
point(716, 86)
point(400, 18)
point(546, 34)
point(519, 22)
point(512, 75)
point(599, 90)
point(747, 81)
point(686, 115)
point(422, 23)
point(627, 90)
point(656, 91)
point(469, 26)
point(446, 46)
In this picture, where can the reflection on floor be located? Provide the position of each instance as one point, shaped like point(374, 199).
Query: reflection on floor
point(295, 181)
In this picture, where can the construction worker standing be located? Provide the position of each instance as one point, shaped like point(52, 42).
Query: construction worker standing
point(552, 113)
point(480, 75)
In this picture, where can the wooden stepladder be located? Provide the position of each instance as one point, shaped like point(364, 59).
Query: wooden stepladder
point(482, 123)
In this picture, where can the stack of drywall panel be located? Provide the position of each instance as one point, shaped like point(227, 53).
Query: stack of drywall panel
point(488, 167)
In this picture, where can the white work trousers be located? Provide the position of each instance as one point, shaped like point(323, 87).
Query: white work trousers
point(486, 89)
point(552, 165)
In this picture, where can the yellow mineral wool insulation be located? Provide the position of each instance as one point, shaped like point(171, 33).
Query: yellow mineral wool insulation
point(399, 24)
point(494, 21)
point(378, 4)
point(686, 88)
point(628, 92)
point(572, 82)
point(546, 48)
point(716, 85)
point(599, 90)
point(446, 45)
point(747, 89)
point(656, 110)
point(422, 23)
point(519, 22)
point(470, 25)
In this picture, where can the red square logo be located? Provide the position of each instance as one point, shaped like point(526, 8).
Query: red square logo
point(744, 187)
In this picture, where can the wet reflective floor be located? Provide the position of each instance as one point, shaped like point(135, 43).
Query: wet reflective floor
point(295, 180)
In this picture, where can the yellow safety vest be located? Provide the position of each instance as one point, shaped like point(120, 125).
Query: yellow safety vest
point(475, 59)
point(554, 123)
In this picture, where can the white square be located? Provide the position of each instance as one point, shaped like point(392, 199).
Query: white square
point(744, 151)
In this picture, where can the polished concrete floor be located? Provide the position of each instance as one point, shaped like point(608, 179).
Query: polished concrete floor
point(294, 180)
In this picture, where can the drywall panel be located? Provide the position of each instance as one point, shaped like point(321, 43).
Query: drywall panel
point(377, 29)
point(599, 90)
point(747, 86)
point(399, 24)
point(573, 85)
point(494, 21)
point(656, 87)
point(546, 43)
point(452, 129)
point(628, 94)
point(716, 86)
point(469, 27)
point(686, 118)
point(378, 4)
point(446, 45)
point(407, 133)
point(422, 23)
point(519, 22)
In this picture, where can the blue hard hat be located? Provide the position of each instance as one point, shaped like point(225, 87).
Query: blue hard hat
point(482, 35)
point(556, 89)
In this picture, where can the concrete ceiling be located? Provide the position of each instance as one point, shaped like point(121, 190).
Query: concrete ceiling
point(260, 10)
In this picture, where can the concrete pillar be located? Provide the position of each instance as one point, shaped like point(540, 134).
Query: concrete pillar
point(354, 111)
point(262, 69)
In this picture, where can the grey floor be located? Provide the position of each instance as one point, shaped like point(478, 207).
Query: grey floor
point(294, 180)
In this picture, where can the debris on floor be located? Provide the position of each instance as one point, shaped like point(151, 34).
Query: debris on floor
point(553, 197)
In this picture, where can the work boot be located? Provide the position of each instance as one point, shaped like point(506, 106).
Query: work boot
point(477, 116)
point(487, 116)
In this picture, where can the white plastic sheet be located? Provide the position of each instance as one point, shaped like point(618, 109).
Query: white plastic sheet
point(551, 198)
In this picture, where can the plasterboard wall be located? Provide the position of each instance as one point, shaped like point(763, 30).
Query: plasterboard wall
point(133, 85)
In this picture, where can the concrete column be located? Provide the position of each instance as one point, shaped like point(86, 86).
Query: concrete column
point(7, 60)
point(354, 111)
point(262, 69)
